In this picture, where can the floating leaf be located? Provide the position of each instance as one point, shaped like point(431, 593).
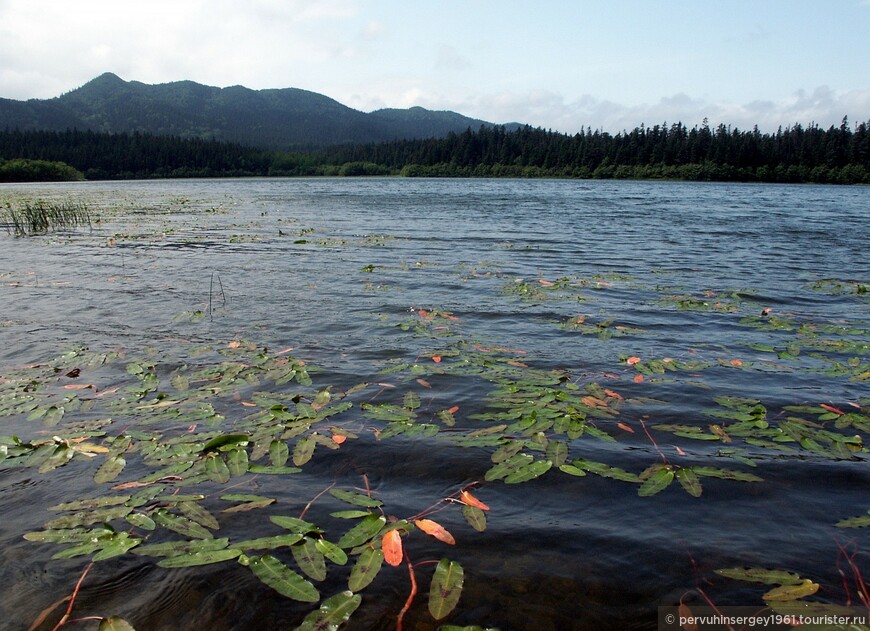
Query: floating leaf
point(333, 612)
point(248, 506)
point(141, 520)
point(200, 515)
point(200, 558)
point(436, 530)
point(175, 548)
point(391, 544)
point(365, 569)
point(181, 525)
point(688, 479)
point(269, 543)
point(279, 453)
point(475, 517)
point(225, 440)
point(304, 450)
point(791, 592)
point(294, 524)
point(110, 469)
point(446, 588)
point(217, 469)
point(529, 472)
point(282, 579)
point(656, 483)
point(115, 624)
point(309, 558)
point(761, 575)
point(237, 462)
point(364, 531)
point(854, 522)
point(357, 499)
point(468, 499)
point(331, 551)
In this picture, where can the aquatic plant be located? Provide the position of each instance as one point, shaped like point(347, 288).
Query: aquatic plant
point(42, 216)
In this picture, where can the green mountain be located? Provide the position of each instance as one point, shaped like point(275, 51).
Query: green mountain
point(285, 118)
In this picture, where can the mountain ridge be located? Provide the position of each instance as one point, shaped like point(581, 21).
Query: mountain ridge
point(272, 118)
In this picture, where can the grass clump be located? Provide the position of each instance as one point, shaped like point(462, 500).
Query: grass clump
point(40, 217)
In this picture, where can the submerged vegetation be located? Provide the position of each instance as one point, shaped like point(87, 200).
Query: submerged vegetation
point(188, 447)
point(838, 155)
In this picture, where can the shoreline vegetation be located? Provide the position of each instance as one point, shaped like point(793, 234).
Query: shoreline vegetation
point(796, 154)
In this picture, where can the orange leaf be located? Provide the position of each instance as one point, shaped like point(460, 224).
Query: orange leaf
point(338, 438)
point(468, 498)
point(436, 530)
point(423, 314)
point(514, 362)
point(736, 363)
point(234, 344)
point(831, 408)
point(631, 361)
point(612, 394)
point(625, 427)
point(79, 386)
point(546, 283)
point(249, 404)
point(454, 409)
point(686, 614)
point(449, 316)
point(391, 544)
point(436, 359)
point(285, 351)
point(594, 402)
point(638, 378)
point(424, 383)
point(680, 451)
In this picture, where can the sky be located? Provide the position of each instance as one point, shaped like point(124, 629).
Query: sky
point(563, 65)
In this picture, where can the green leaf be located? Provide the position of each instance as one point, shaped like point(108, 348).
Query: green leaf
point(115, 624)
point(656, 483)
point(309, 558)
point(475, 517)
point(761, 575)
point(333, 612)
point(279, 452)
point(446, 588)
point(175, 548)
point(110, 469)
point(365, 569)
point(294, 524)
point(363, 532)
point(411, 401)
point(508, 467)
point(225, 439)
point(791, 592)
point(529, 472)
point(599, 468)
point(357, 499)
point(258, 468)
point(350, 514)
point(217, 469)
point(331, 551)
point(116, 545)
point(304, 450)
point(200, 515)
point(854, 522)
point(282, 579)
point(141, 520)
point(557, 453)
point(96, 502)
point(200, 558)
point(726, 474)
point(688, 479)
point(89, 517)
point(269, 543)
point(181, 525)
point(237, 462)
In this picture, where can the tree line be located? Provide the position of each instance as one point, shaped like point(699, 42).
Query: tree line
point(794, 154)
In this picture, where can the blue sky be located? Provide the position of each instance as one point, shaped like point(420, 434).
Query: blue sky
point(608, 65)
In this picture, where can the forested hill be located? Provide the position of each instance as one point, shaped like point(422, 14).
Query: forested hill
point(838, 155)
point(280, 119)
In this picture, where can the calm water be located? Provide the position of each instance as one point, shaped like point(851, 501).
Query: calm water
point(339, 269)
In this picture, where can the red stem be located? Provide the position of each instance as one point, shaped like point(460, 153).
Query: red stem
point(410, 596)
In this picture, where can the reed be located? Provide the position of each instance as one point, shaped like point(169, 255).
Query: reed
point(41, 217)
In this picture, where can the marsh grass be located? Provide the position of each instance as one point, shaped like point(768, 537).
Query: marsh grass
point(41, 217)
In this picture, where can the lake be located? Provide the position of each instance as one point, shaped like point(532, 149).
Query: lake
point(644, 382)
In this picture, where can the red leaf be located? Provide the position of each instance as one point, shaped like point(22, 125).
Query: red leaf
point(638, 378)
point(436, 530)
point(625, 427)
point(436, 359)
point(454, 409)
point(338, 438)
point(468, 498)
point(831, 408)
point(631, 361)
point(612, 394)
point(391, 544)
point(736, 363)
point(423, 314)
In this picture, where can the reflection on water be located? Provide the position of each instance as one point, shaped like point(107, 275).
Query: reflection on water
point(568, 276)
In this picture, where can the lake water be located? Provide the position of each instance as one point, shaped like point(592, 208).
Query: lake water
point(676, 325)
